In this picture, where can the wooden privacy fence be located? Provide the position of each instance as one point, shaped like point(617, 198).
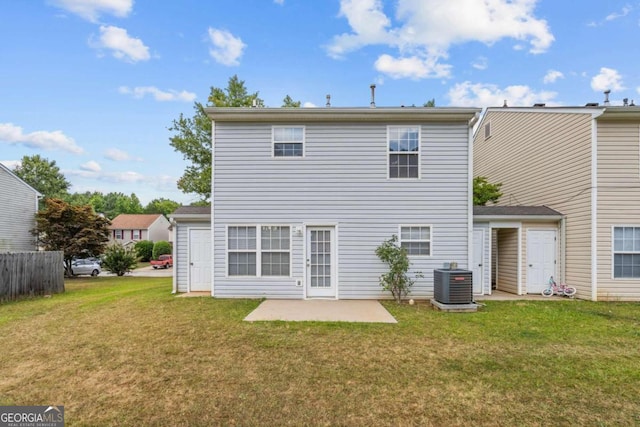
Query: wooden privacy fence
point(30, 273)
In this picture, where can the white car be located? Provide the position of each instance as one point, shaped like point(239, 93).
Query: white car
point(85, 266)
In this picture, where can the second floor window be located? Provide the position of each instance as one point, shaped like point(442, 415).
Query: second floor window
point(136, 235)
point(119, 234)
point(404, 151)
point(288, 141)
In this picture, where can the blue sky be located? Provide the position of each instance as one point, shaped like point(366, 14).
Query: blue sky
point(95, 84)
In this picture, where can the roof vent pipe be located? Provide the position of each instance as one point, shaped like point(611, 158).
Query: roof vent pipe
point(606, 97)
point(625, 102)
point(373, 96)
point(328, 101)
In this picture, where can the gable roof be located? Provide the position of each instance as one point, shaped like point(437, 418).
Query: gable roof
point(192, 210)
point(516, 212)
point(11, 173)
point(133, 221)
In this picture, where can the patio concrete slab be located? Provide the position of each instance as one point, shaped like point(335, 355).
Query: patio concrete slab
point(319, 310)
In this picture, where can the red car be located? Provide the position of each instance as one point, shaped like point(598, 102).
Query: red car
point(163, 261)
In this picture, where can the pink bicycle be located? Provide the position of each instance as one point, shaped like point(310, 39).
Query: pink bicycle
point(561, 289)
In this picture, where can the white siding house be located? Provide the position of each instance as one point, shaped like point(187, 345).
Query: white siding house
point(18, 206)
point(303, 197)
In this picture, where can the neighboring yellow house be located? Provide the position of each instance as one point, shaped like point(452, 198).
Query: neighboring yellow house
point(583, 162)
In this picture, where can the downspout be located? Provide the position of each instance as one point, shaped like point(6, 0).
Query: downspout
point(594, 204)
point(563, 249)
point(212, 198)
point(472, 123)
point(174, 225)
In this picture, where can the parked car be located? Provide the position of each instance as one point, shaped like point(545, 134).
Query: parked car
point(163, 261)
point(85, 266)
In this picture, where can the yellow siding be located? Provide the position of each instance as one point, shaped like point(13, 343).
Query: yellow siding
point(507, 279)
point(544, 158)
point(618, 200)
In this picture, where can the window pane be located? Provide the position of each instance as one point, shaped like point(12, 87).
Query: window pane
point(242, 264)
point(275, 264)
point(626, 266)
point(617, 238)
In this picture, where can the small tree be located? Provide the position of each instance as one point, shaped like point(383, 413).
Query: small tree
point(75, 230)
point(161, 247)
point(144, 250)
point(397, 281)
point(484, 191)
point(119, 260)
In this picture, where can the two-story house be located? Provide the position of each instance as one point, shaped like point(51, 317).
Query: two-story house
point(584, 164)
point(127, 229)
point(18, 207)
point(302, 197)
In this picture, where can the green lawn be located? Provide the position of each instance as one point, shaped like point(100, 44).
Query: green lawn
point(124, 351)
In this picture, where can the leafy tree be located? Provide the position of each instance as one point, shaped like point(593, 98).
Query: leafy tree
point(161, 247)
point(484, 191)
point(119, 203)
point(144, 250)
point(397, 281)
point(119, 260)
point(43, 175)
point(192, 135)
point(161, 206)
point(430, 103)
point(201, 203)
point(288, 102)
point(75, 230)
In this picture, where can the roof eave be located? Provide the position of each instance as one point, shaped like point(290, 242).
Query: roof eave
point(549, 218)
point(413, 114)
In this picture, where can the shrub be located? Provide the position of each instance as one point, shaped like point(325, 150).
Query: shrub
point(144, 250)
point(119, 260)
point(396, 280)
point(161, 248)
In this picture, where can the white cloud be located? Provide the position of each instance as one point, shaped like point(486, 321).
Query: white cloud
point(411, 67)
point(46, 140)
point(91, 166)
point(552, 76)
point(426, 29)
point(469, 94)
point(280, 2)
point(481, 63)
point(227, 49)
point(118, 155)
point(122, 45)
point(615, 15)
point(312, 105)
point(159, 95)
point(91, 9)
point(11, 164)
point(608, 79)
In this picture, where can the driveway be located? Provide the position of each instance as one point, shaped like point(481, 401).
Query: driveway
point(146, 272)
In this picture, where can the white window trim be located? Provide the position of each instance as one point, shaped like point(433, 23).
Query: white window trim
point(121, 237)
point(613, 252)
point(258, 250)
point(139, 233)
point(430, 238)
point(303, 142)
point(419, 153)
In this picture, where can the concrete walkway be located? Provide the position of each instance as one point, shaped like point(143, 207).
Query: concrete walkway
point(368, 311)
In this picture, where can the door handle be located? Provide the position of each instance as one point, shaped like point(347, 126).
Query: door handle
point(530, 265)
point(308, 262)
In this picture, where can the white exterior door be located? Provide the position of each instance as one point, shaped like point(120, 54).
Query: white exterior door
point(541, 259)
point(321, 262)
point(478, 261)
point(199, 260)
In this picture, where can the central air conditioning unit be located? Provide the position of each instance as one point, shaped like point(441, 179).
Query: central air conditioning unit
point(453, 286)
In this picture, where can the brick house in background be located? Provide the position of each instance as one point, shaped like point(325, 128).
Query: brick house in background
point(127, 229)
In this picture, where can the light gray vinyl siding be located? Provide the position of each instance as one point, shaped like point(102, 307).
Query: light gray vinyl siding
point(18, 206)
point(342, 181)
point(181, 251)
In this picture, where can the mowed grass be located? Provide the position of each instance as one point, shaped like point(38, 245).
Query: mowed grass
point(124, 352)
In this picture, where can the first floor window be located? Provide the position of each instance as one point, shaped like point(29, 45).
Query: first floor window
point(119, 234)
point(242, 251)
point(259, 251)
point(136, 234)
point(416, 239)
point(626, 252)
